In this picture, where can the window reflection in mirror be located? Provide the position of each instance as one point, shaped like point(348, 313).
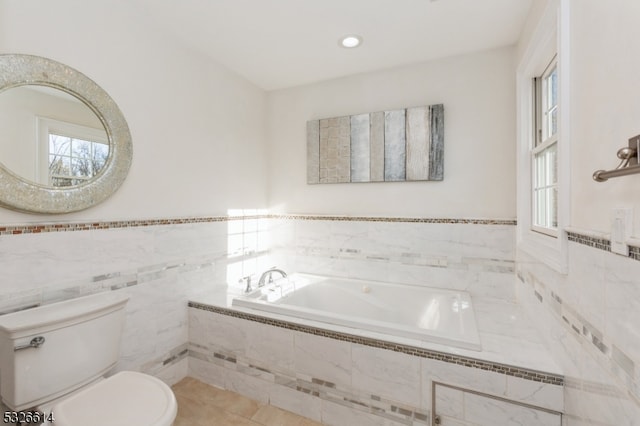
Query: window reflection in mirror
point(49, 137)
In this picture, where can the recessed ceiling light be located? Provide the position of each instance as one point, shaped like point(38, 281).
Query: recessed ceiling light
point(350, 41)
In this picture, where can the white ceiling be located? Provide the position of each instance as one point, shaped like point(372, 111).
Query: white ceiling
point(283, 43)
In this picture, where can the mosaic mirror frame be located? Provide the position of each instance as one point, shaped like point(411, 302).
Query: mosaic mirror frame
point(20, 194)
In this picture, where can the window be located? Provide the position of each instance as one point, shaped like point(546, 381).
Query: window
point(69, 154)
point(73, 161)
point(544, 135)
point(544, 152)
point(247, 245)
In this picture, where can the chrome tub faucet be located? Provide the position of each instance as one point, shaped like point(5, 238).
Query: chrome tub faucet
point(248, 289)
point(269, 273)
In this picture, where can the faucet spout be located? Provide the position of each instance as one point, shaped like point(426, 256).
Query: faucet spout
point(269, 273)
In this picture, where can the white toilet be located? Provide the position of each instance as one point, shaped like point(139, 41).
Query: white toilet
point(54, 358)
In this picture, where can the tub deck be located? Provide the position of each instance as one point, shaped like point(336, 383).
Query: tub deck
point(420, 313)
point(506, 333)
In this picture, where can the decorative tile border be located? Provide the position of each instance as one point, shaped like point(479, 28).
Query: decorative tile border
point(316, 387)
point(168, 359)
point(13, 302)
point(91, 226)
point(600, 243)
point(523, 373)
point(596, 343)
point(398, 219)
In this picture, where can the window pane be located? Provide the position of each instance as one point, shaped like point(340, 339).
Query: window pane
point(101, 151)
point(59, 145)
point(553, 208)
point(81, 167)
point(545, 197)
point(540, 208)
point(550, 103)
point(80, 148)
point(553, 122)
point(552, 88)
point(59, 166)
point(538, 180)
point(71, 157)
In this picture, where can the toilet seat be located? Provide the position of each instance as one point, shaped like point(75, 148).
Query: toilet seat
point(126, 398)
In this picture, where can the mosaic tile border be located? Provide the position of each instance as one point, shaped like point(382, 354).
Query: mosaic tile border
point(398, 219)
point(523, 373)
point(98, 225)
point(313, 386)
point(17, 301)
point(91, 226)
point(600, 243)
point(597, 344)
point(168, 359)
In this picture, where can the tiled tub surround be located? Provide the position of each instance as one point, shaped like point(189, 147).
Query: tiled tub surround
point(590, 319)
point(340, 375)
point(163, 263)
point(476, 256)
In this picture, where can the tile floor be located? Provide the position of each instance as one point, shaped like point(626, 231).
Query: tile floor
point(202, 405)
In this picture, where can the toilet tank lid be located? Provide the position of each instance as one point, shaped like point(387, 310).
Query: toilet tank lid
point(60, 314)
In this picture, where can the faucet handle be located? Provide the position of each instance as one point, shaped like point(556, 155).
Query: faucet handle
point(248, 289)
point(243, 279)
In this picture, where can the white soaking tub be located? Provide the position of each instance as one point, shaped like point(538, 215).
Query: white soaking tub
point(422, 313)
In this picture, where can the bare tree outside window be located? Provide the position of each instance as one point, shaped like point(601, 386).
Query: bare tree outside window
point(73, 161)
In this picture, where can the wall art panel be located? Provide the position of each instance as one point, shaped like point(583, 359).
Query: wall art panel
point(387, 146)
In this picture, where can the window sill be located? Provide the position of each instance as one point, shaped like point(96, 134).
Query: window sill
point(551, 250)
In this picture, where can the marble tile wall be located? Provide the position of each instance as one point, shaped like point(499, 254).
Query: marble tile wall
point(160, 267)
point(475, 257)
point(162, 263)
point(334, 381)
point(458, 406)
point(589, 316)
point(590, 319)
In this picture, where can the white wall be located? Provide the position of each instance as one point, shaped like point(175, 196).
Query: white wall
point(198, 150)
point(195, 125)
point(590, 314)
point(478, 93)
point(605, 111)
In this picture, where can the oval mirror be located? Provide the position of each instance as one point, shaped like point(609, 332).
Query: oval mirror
point(64, 144)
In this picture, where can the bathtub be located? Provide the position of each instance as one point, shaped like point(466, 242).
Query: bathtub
point(422, 313)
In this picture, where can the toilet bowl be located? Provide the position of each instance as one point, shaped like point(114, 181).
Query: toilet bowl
point(55, 358)
point(126, 398)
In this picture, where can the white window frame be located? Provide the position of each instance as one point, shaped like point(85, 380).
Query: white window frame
point(551, 37)
point(46, 126)
point(541, 142)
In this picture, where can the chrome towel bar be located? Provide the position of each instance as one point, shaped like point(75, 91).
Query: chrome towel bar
point(629, 163)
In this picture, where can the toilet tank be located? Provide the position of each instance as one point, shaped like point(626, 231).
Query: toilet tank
point(81, 343)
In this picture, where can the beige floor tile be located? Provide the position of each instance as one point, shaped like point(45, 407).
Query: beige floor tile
point(229, 401)
point(237, 404)
point(196, 412)
point(269, 415)
point(202, 405)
